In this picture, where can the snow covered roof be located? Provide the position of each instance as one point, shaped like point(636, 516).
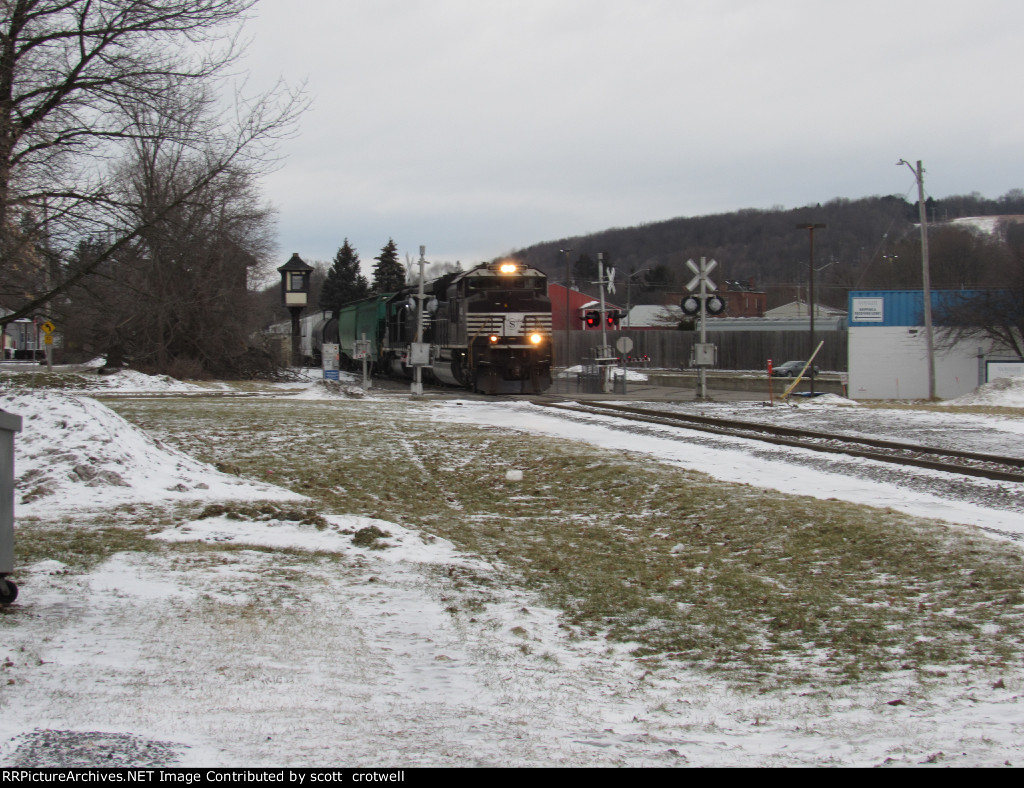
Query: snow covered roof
point(800, 309)
point(648, 315)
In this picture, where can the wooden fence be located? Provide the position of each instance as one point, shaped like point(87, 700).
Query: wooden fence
point(670, 349)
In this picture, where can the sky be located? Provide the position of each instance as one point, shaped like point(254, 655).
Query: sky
point(475, 128)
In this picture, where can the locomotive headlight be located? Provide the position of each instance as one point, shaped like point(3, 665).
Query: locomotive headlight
point(536, 339)
point(508, 268)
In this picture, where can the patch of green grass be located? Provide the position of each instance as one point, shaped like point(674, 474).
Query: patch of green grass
point(50, 381)
point(938, 407)
point(761, 587)
point(370, 537)
point(80, 548)
point(263, 512)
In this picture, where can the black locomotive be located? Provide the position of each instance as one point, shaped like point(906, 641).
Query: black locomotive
point(487, 329)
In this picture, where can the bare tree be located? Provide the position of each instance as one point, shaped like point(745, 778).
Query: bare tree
point(87, 83)
point(995, 312)
point(176, 298)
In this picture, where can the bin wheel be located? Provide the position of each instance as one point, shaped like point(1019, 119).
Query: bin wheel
point(8, 592)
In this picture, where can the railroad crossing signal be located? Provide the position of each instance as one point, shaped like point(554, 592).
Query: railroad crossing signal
point(713, 305)
point(706, 267)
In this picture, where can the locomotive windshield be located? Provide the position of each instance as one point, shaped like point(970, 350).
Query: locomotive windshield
point(506, 283)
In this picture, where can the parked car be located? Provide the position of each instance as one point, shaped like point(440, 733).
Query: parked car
point(791, 369)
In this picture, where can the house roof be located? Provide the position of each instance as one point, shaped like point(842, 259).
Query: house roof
point(800, 309)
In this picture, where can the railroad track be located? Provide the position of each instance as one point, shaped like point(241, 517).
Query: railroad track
point(986, 466)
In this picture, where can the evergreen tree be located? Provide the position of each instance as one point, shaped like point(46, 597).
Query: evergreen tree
point(345, 281)
point(585, 271)
point(388, 273)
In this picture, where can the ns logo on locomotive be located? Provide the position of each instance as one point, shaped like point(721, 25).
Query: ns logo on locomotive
point(488, 329)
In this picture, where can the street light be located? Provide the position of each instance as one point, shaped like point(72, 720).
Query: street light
point(629, 283)
point(568, 282)
point(810, 292)
point(926, 279)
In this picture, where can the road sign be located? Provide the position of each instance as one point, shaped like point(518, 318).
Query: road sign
point(48, 327)
point(330, 354)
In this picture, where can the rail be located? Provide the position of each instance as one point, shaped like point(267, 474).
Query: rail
point(987, 466)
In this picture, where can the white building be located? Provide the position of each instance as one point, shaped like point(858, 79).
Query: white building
point(888, 356)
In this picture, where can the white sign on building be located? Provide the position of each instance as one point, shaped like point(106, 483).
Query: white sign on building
point(867, 310)
point(1003, 369)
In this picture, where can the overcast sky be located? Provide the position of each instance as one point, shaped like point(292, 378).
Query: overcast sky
point(475, 127)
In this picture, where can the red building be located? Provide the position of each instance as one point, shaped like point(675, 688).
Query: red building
point(742, 300)
point(579, 304)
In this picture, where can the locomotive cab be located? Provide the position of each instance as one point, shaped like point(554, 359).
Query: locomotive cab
point(498, 330)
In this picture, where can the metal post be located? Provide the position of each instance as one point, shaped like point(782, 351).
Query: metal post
point(604, 321)
point(605, 369)
point(417, 384)
point(296, 336)
point(366, 364)
point(9, 424)
point(702, 372)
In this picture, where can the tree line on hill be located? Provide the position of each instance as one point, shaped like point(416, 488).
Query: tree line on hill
point(869, 243)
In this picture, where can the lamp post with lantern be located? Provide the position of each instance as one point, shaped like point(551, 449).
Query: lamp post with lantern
point(295, 278)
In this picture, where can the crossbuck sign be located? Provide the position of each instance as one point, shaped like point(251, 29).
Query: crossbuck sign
point(706, 267)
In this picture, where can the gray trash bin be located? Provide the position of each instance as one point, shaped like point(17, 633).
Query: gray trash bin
point(9, 424)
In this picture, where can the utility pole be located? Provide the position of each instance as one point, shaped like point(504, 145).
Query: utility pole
point(604, 319)
point(568, 290)
point(926, 279)
point(810, 290)
point(629, 283)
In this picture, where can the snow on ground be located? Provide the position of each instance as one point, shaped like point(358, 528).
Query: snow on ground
point(1000, 393)
point(128, 380)
point(356, 656)
point(986, 225)
point(76, 451)
point(87, 377)
point(632, 375)
point(349, 660)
